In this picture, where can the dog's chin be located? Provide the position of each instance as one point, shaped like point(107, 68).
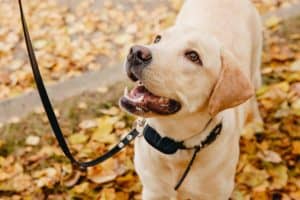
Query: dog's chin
point(141, 102)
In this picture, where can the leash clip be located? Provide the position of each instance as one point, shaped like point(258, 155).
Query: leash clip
point(139, 125)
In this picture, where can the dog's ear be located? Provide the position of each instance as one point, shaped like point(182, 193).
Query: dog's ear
point(232, 88)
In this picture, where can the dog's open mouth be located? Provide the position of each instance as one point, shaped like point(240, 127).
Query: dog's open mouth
point(140, 101)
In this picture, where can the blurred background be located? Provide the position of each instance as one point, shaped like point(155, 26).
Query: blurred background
point(80, 46)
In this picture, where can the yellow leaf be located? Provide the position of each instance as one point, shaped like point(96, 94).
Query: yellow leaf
point(272, 21)
point(252, 177)
point(262, 90)
point(105, 127)
point(279, 176)
point(108, 194)
point(238, 195)
point(81, 188)
point(78, 138)
point(284, 86)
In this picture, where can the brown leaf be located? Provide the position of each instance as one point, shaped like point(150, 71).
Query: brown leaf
point(296, 147)
point(106, 172)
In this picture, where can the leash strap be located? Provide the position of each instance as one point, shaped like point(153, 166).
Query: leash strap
point(51, 115)
point(188, 168)
point(210, 139)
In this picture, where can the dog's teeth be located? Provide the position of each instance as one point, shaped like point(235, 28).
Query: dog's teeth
point(140, 98)
point(138, 109)
point(126, 92)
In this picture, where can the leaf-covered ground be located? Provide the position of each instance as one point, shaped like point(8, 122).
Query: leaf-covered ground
point(33, 167)
point(70, 41)
point(269, 165)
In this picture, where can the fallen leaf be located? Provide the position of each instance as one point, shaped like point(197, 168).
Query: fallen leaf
point(18, 183)
point(78, 138)
point(296, 147)
point(81, 188)
point(106, 172)
point(272, 21)
point(279, 176)
point(88, 124)
point(103, 131)
point(252, 177)
point(108, 194)
point(46, 177)
point(270, 156)
point(32, 140)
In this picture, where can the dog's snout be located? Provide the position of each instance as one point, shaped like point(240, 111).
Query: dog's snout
point(139, 55)
point(138, 58)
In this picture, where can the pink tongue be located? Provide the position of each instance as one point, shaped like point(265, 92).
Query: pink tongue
point(140, 91)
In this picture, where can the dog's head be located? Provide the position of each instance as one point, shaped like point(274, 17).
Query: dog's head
point(183, 72)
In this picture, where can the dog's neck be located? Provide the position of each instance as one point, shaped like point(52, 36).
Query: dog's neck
point(182, 127)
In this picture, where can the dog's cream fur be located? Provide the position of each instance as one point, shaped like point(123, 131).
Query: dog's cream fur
point(227, 34)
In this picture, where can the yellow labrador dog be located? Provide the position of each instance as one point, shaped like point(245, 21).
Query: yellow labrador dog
point(195, 90)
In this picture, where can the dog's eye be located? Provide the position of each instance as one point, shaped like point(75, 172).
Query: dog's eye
point(194, 57)
point(157, 39)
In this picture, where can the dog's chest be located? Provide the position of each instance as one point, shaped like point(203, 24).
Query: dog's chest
point(207, 176)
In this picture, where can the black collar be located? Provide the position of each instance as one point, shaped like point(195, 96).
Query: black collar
point(169, 146)
point(165, 145)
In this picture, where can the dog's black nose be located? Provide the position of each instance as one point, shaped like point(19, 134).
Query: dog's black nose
point(138, 58)
point(139, 55)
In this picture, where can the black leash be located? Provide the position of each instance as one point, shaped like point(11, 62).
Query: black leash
point(51, 115)
point(211, 137)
